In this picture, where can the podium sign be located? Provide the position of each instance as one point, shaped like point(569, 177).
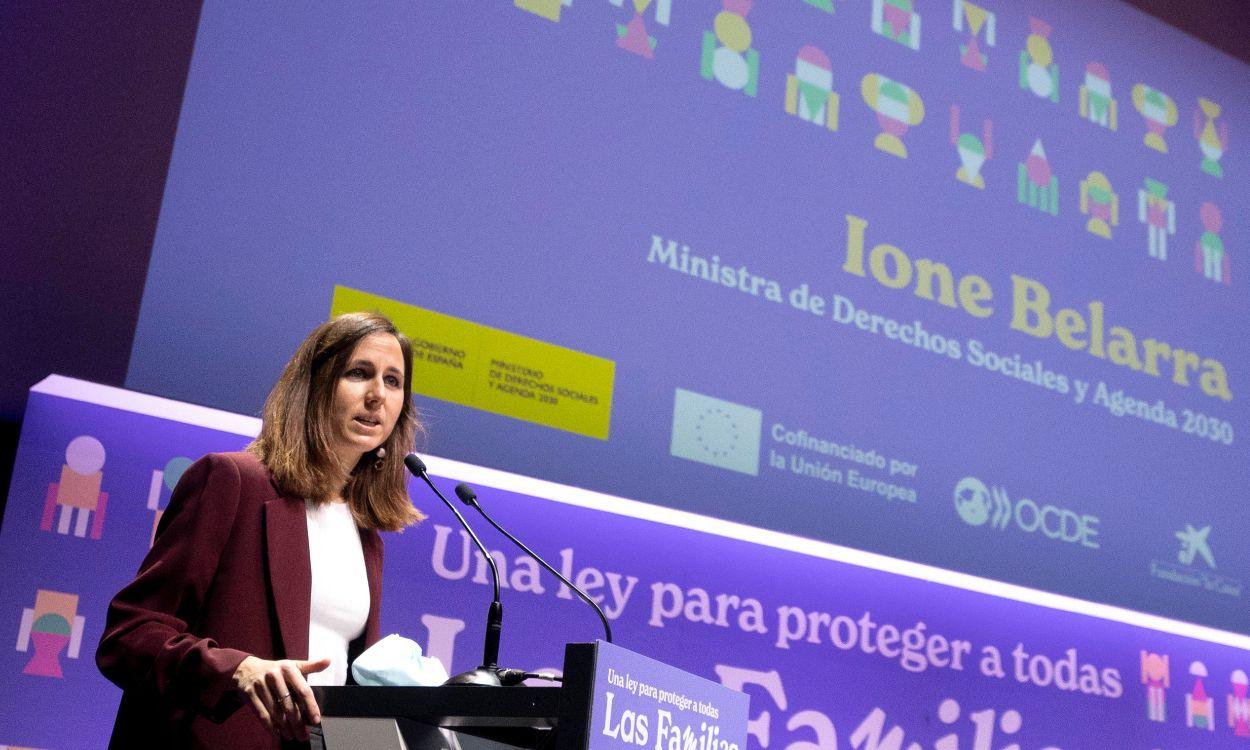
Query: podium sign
point(611, 699)
point(638, 703)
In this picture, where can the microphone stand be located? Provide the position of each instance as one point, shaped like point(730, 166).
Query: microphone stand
point(489, 673)
point(469, 497)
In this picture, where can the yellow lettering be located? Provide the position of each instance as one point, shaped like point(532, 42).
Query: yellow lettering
point(1123, 348)
point(855, 227)
point(1182, 363)
point(1214, 380)
point(1095, 330)
point(972, 290)
point(902, 266)
point(1068, 323)
point(926, 271)
point(1029, 296)
point(1155, 350)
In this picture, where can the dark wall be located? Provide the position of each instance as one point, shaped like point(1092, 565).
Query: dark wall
point(90, 94)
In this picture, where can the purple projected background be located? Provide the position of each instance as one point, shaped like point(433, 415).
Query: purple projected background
point(488, 162)
point(786, 627)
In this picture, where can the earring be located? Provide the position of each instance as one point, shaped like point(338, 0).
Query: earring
point(379, 454)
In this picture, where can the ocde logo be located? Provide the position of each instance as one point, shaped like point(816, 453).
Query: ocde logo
point(978, 504)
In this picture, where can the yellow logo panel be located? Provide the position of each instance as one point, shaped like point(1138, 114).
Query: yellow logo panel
point(493, 370)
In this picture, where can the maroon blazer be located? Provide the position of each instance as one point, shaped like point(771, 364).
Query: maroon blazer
point(228, 576)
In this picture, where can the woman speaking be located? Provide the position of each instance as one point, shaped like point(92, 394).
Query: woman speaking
point(265, 574)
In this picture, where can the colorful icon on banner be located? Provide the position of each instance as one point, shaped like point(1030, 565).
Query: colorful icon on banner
point(1157, 677)
point(76, 499)
point(1100, 203)
point(1038, 71)
point(1210, 258)
point(977, 19)
point(727, 53)
point(1239, 704)
point(716, 432)
point(548, 9)
point(809, 90)
point(897, 108)
point(1212, 138)
point(1097, 104)
point(825, 5)
point(1158, 214)
point(897, 20)
point(1160, 113)
point(633, 36)
point(163, 482)
point(1036, 183)
point(1199, 707)
point(973, 151)
point(53, 625)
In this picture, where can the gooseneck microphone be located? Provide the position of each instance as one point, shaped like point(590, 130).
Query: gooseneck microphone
point(489, 673)
point(469, 497)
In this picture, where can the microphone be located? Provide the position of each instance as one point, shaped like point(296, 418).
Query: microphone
point(469, 497)
point(489, 673)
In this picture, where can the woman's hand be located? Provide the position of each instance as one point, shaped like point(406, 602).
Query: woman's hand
point(279, 694)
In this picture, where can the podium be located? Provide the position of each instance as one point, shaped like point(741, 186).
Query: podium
point(610, 698)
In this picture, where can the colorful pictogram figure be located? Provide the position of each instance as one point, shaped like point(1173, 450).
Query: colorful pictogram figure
point(978, 19)
point(825, 5)
point(1210, 258)
point(897, 20)
point(1239, 704)
point(548, 9)
point(1038, 71)
point(633, 36)
point(727, 53)
point(1160, 113)
point(78, 494)
point(1157, 677)
point(1212, 138)
point(973, 151)
point(897, 108)
point(809, 91)
point(1199, 707)
point(1036, 184)
point(53, 625)
point(1097, 104)
point(163, 482)
point(1101, 203)
point(1158, 214)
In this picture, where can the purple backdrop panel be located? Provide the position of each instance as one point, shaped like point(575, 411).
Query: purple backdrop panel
point(91, 477)
point(836, 648)
point(831, 650)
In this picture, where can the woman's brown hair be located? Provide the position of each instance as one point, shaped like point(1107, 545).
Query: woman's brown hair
point(296, 437)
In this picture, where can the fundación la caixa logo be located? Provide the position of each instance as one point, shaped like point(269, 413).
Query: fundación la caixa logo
point(716, 432)
point(1194, 564)
point(979, 504)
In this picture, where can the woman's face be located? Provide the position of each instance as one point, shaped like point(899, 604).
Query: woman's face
point(368, 397)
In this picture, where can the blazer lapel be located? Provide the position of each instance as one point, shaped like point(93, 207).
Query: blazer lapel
point(290, 572)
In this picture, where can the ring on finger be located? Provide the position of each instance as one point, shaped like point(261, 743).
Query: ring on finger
point(285, 697)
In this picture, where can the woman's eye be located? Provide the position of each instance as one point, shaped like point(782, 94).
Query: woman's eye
point(392, 381)
point(355, 372)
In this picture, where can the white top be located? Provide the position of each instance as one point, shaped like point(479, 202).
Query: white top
point(340, 588)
